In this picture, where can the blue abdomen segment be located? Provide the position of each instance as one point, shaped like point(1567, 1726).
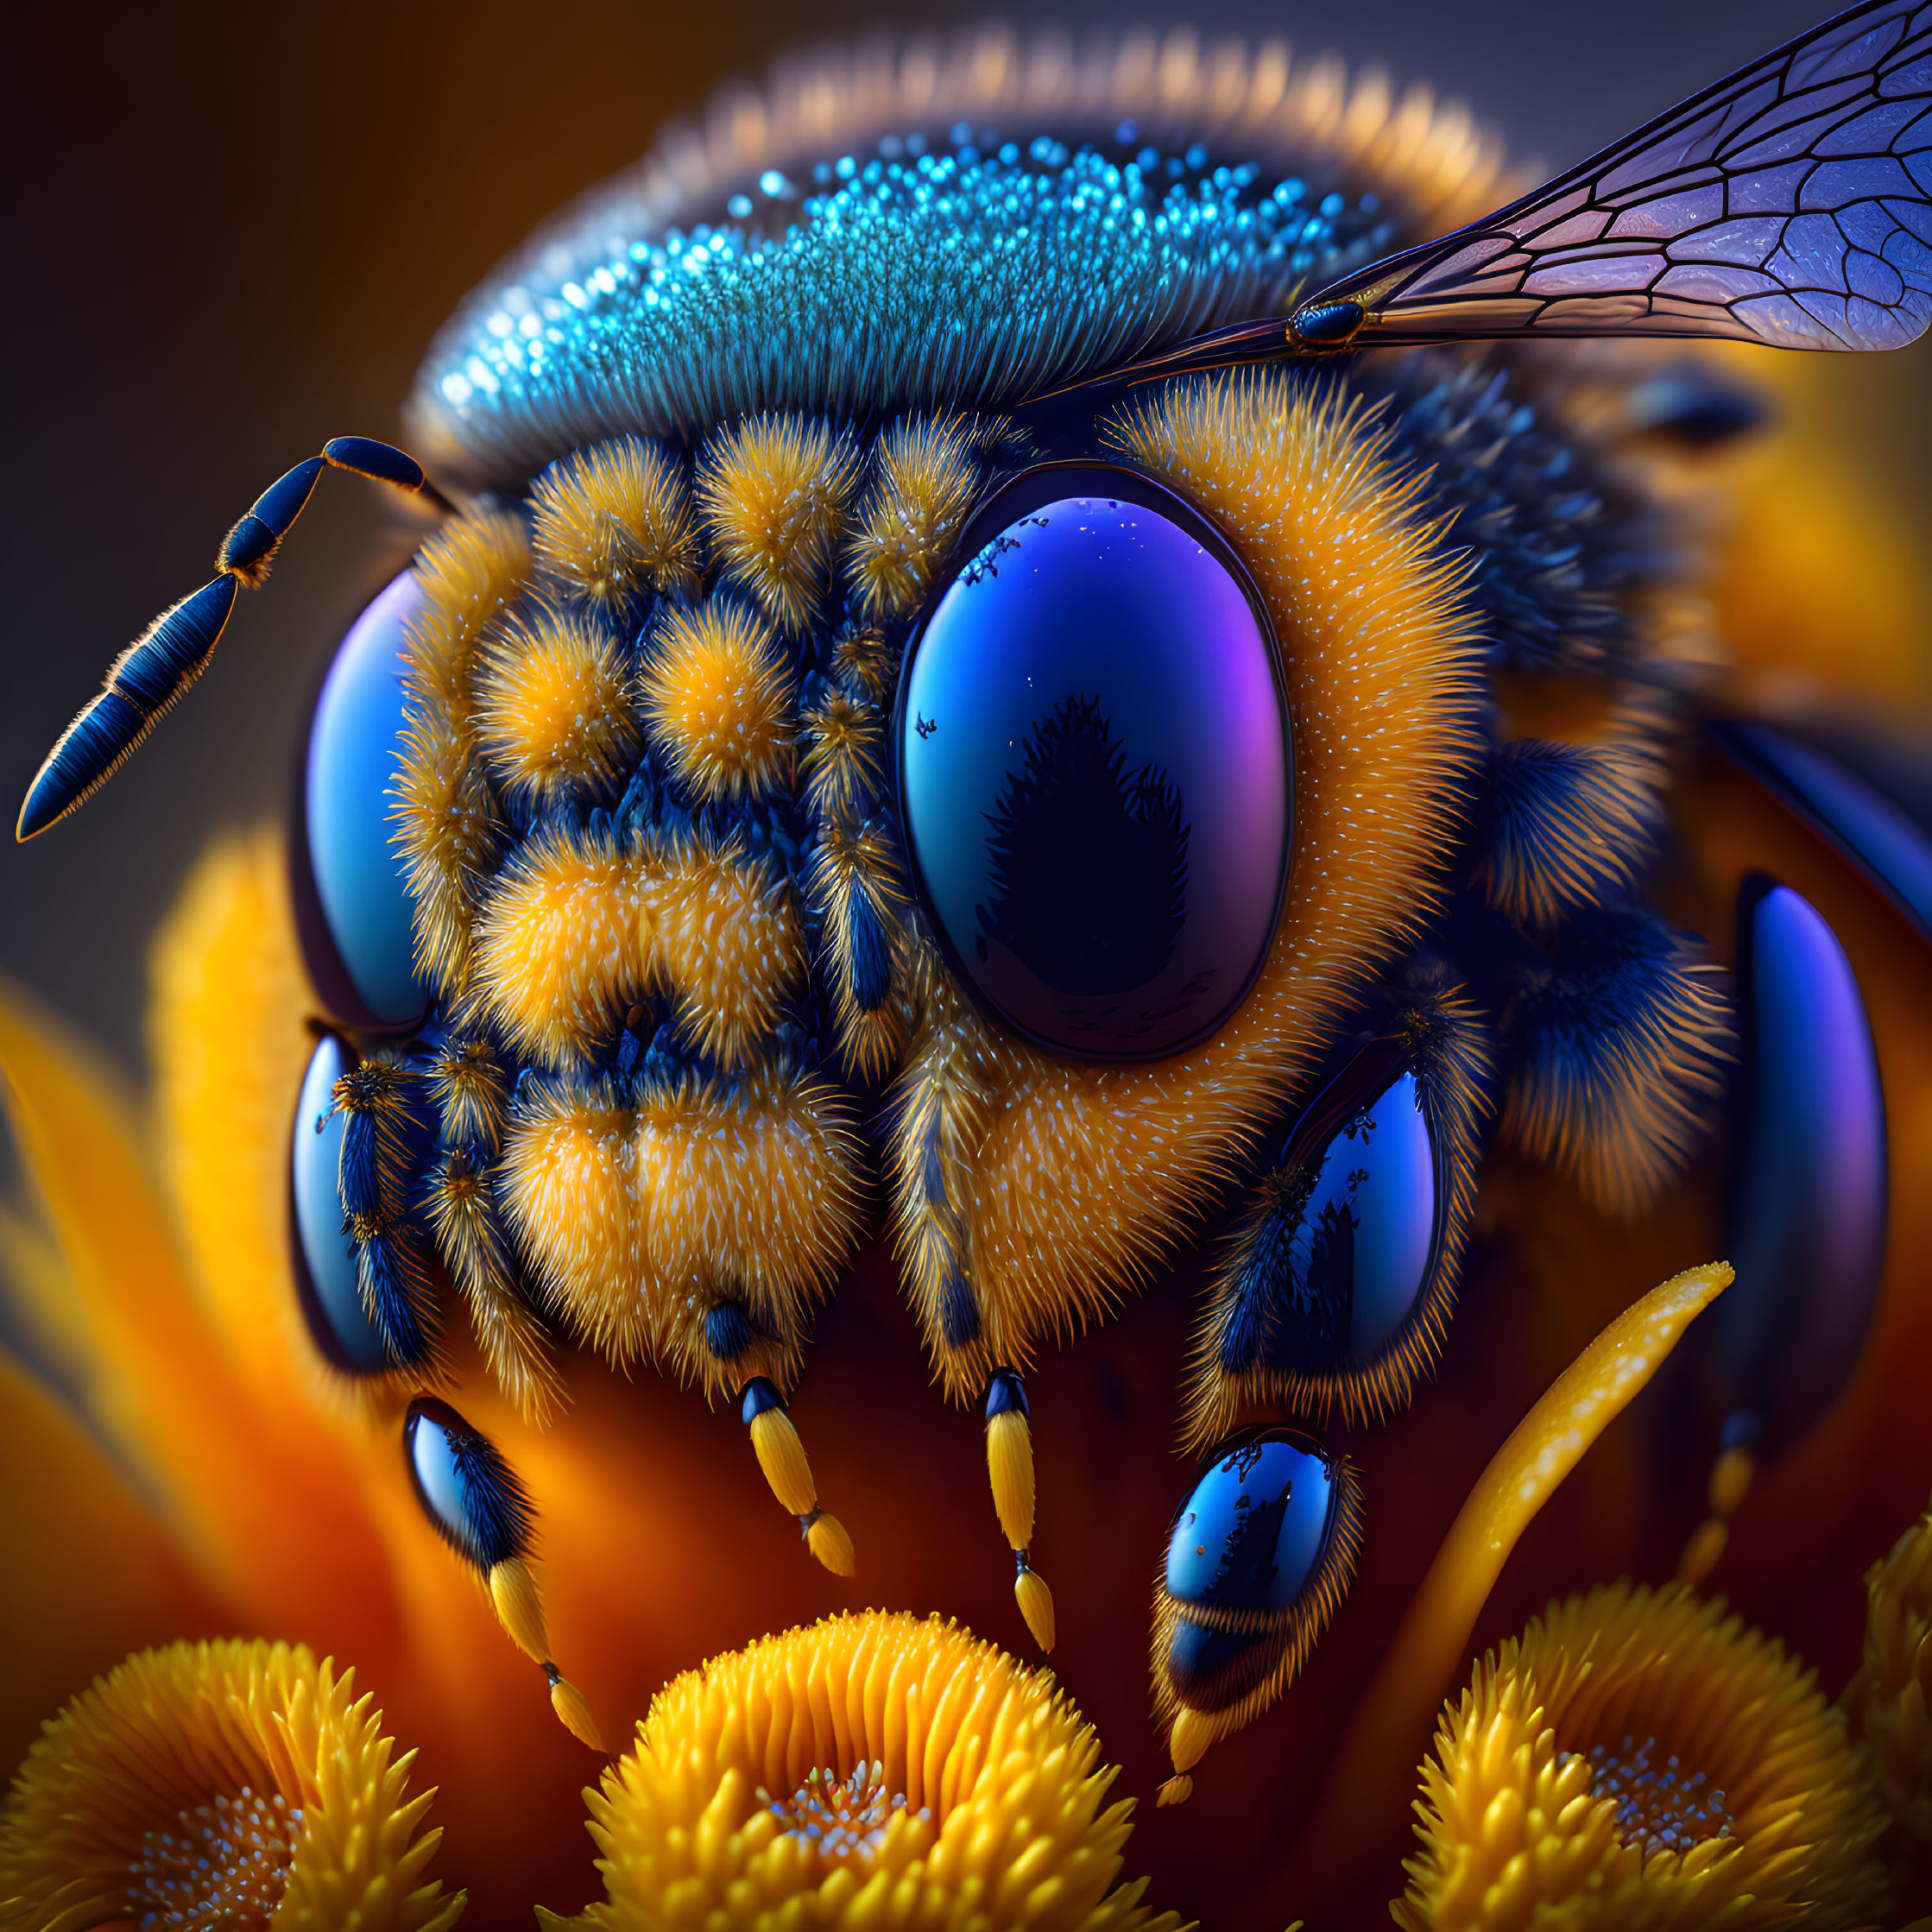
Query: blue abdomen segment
point(323, 1257)
point(1807, 1209)
point(356, 930)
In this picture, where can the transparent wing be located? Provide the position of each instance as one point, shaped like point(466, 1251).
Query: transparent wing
point(1791, 205)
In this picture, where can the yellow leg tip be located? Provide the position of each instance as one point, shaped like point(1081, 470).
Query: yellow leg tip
point(829, 1544)
point(1036, 1605)
point(1009, 1466)
point(1701, 1553)
point(1190, 1739)
point(567, 1701)
point(1731, 1479)
point(781, 1455)
point(513, 1591)
point(1177, 1790)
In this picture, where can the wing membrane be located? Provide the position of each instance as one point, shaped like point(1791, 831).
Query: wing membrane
point(1790, 204)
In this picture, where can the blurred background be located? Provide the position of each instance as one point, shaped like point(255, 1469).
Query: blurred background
point(231, 231)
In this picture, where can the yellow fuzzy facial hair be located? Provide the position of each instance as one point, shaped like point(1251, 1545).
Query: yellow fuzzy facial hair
point(1076, 1179)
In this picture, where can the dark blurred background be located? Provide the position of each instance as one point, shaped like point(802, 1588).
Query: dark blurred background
point(231, 231)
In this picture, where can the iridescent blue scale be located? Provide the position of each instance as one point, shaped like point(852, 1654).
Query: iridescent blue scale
point(323, 1256)
point(356, 929)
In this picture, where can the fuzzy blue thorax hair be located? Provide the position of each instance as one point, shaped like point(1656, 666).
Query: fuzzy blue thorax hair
point(957, 251)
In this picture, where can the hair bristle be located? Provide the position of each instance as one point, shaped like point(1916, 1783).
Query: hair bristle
point(553, 706)
point(861, 896)
point(459, 1199)
point(1573, 826)
point(1567, 554)
point(717, 695)
point(378, 1097)
point(843, 762)
point(448, 829)
point(470, 571)
point(915, 288)
point(498, 1521)
point(1450, 1050)
point(865, 665)
point(466, 1080)
point(1624, 1045)
point(939, 1113)
point(615, 522)
point(580, 927)
point(923, 486)
point(752, 1187)
point(567, 1186)
point(728, 947)
point(561, 946)
point(1088, 1175)
point(774, 491)
point(756, 1188)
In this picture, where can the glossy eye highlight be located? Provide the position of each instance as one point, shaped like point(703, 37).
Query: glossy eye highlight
point(350, 891)
point(1095, 767)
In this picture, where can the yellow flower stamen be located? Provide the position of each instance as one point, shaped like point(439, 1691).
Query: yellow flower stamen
point(1521, 1477)
point(1886, 1700)
point(871, 1769)
point(1638, 1758)
point(232, 1785)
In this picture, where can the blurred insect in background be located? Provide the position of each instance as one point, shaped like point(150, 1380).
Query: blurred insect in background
point(949, 693)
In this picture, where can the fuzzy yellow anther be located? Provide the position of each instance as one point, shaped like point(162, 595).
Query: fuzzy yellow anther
point(513, 1590)
point(781, 1455)
point(829, 1544)
point(1036, 1605)
point(1009, 1463)
point(567, 1701)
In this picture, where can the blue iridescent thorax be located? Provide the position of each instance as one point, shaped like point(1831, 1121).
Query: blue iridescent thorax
point(967, 269)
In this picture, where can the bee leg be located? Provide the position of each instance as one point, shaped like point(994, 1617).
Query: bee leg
point(145, 680)
point(1260, 1557)
point(478, 1504)
point(1009, 1464)
point(381, 1138)
point(1731, 1478)
point(781, 1455)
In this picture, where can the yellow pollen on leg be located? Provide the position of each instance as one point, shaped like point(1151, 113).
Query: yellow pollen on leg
point(223, 1868)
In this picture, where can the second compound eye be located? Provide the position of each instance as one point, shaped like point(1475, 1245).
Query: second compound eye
point(1095, 767)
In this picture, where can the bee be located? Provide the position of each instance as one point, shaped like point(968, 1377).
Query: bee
point(1064, 663)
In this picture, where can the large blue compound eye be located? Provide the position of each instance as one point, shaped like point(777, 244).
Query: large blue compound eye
point(1258, 1559)
point(351, 900)
point(324, 1259)
point(1093, 761)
